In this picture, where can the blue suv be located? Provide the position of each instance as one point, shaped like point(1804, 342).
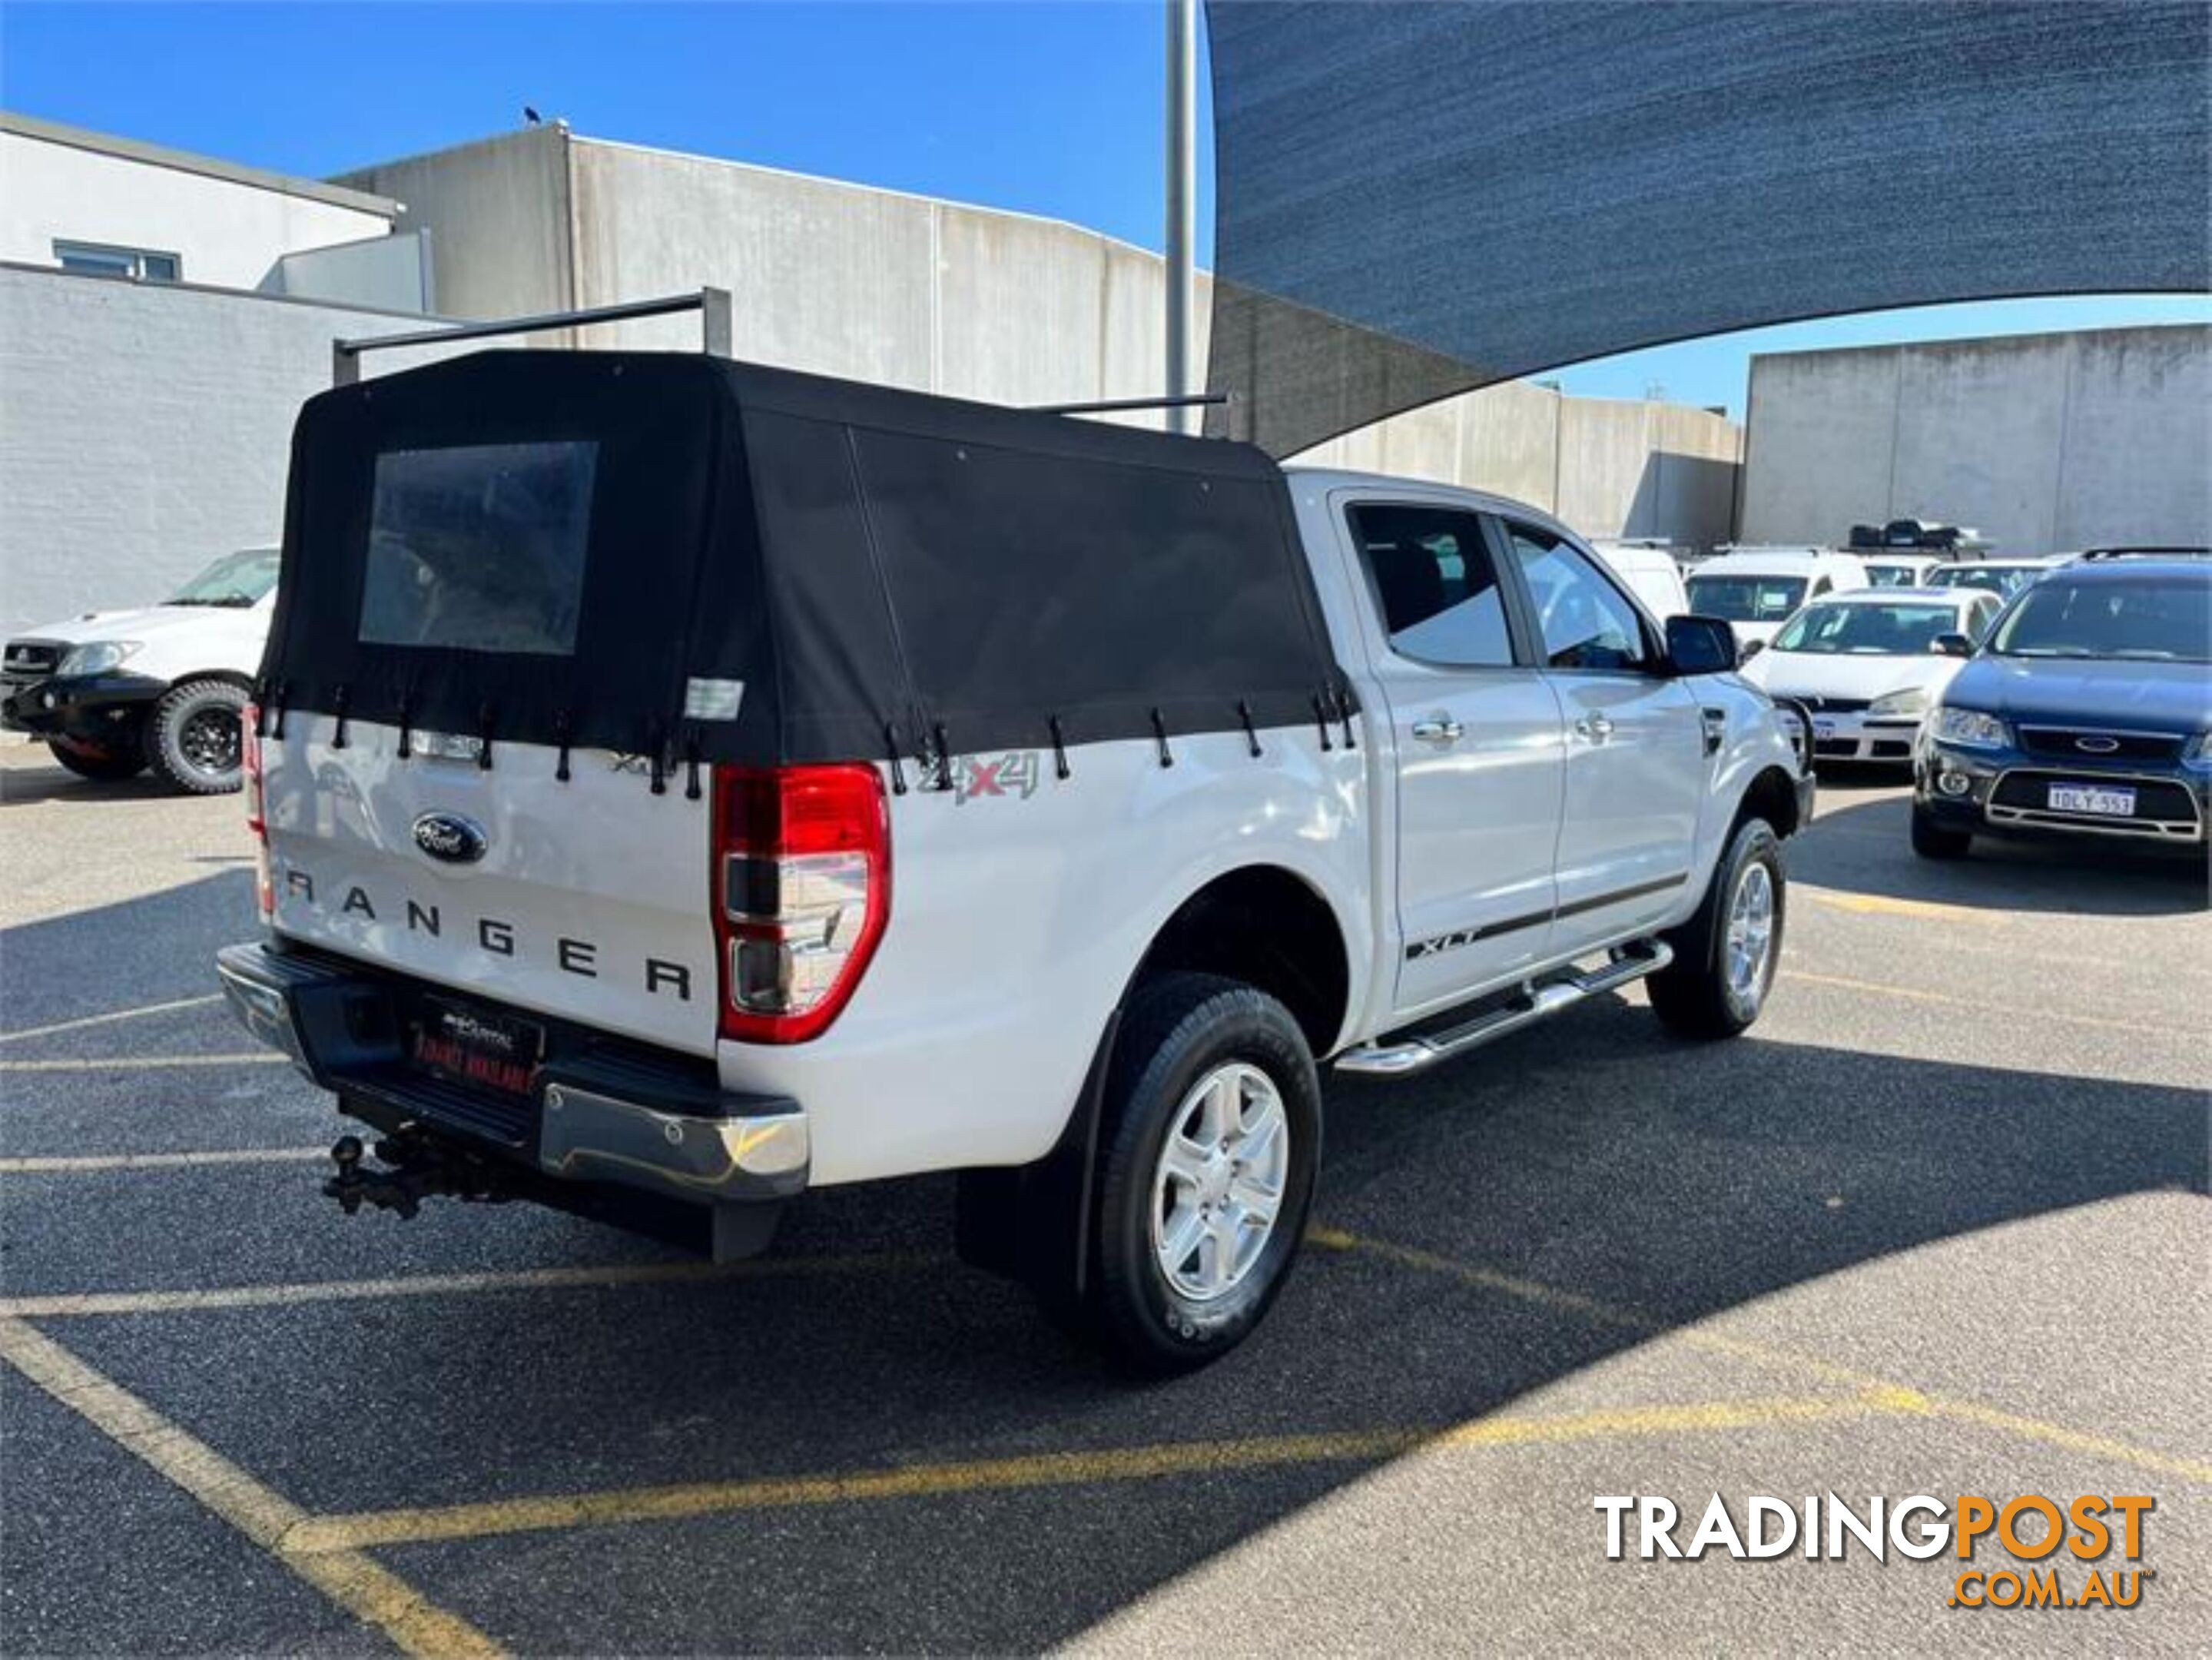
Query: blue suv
point(2087, 711)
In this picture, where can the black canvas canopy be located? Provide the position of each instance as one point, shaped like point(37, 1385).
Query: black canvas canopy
point(669, 553)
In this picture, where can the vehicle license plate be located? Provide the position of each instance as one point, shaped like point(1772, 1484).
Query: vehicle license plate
point(1824, 729)
point(470, 1046)
point(2086, 798)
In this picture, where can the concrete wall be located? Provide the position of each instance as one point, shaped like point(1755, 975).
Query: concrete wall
point(143, 430)
point(2044, 442)
point(226, 233)
point(497, 211)
point(841, 279)
point(1607, 468)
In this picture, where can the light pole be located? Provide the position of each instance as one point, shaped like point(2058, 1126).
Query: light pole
point(1182, 197)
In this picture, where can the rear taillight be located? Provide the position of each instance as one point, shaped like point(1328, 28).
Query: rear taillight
point(802, 889)
point(249, 751)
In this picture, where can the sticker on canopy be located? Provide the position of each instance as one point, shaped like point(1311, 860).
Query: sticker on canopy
point(712, 700)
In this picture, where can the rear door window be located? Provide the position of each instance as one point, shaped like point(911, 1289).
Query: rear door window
point(479, 548)
point(1433, 582)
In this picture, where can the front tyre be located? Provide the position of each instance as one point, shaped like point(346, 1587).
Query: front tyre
point(1208, 1148)
point(196, 739)
point(1933, 840)
point(102, 766)
point(1725, 956)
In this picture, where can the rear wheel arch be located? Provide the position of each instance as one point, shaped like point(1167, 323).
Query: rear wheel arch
point(1268, 927)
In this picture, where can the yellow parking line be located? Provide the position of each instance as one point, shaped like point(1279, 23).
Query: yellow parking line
point(1945, 999)
point(1881, 905)
point(83, 1021)
point(79, 1304)
point(112, 1161)
point(354, 1581)
point(143, 1062)
point(1077, 1469)
point(1900, 1398)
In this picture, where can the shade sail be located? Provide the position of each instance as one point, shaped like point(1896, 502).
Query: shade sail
point(1418, 199)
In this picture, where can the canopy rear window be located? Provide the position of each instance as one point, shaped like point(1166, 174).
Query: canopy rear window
point(479, 547)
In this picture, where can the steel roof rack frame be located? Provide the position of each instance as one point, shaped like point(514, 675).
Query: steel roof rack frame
point(712, 306)
point(716, 340)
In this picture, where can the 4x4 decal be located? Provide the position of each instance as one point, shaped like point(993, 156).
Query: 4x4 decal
point(1014, 773)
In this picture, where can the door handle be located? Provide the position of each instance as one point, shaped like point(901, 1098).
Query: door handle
point(1438, 729)
point(1595, 727)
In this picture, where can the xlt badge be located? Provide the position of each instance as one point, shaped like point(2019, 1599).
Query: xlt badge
point(450, 837)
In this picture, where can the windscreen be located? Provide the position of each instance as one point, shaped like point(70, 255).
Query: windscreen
point(479, 548)
point(236, 579)
point(2004, 580)
point(1746, 599)
point(2156, 618)
point(1867, 630)
point(1891, 576)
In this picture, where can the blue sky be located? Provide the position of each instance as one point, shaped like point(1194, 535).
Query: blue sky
point(1051, 109)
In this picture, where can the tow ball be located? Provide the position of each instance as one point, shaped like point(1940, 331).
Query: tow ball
point(415, 1166)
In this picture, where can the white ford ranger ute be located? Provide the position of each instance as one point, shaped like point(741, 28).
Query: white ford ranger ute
point(681, 783)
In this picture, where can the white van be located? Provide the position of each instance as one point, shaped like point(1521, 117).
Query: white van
point(1759, 589)
point(1649, 571)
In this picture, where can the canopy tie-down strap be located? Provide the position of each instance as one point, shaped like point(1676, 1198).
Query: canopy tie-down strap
point(1060, 767)
point(563, 729)
point(898, 767)
point(1251, 737)
point(261, 708)
point(276, 726)
point(1343, 700)
point(944, 758)
point(692, 791)
point(1321, 719)
point(339, 698)
point(1160, 735)
point(483, 738)
point(656, 746)
point(406, 723)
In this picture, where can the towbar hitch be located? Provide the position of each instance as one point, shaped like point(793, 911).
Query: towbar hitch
point(415, 1166)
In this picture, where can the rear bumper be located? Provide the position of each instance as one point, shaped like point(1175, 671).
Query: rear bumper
point(594, 1115)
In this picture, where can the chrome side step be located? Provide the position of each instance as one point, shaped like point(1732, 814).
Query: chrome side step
point(1399, 1057)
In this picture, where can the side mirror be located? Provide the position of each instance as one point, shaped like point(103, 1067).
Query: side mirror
point(1699, 645)
point(1952, 645)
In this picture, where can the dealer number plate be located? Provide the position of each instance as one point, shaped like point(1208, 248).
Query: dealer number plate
point(471, 1046)
point(1824, 729)
point(2087, 798)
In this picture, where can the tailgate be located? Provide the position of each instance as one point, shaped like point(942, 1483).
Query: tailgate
point(587, 899)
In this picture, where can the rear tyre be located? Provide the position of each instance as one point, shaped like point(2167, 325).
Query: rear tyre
point(100, 765)
point(1931, 840)
point(196, 739)
point(1209, 1141)
point(1725, 955)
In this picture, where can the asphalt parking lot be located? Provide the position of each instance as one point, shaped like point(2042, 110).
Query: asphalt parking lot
point(1938, 1225)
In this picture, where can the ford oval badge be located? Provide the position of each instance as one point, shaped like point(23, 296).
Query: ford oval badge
point(450, 837)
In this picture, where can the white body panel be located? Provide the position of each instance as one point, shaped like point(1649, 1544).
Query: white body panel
point(1018, 918)
point(1016, 925)
point(175, 642)
point(598, 861)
